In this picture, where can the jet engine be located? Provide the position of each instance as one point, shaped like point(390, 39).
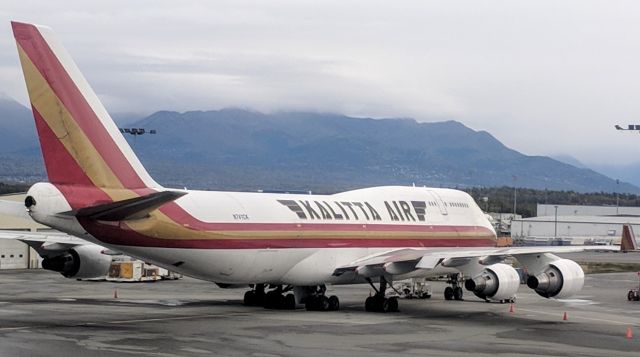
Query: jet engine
point(81, 262)
point(496, 282)
point(561, 278)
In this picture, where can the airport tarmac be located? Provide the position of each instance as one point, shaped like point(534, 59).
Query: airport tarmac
point(44, 314)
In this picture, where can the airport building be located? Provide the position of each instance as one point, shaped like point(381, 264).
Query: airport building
point(573, 224)
point(13, 253)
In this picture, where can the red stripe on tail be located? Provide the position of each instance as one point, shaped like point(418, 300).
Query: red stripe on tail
point(47, 63)
point(62, 169)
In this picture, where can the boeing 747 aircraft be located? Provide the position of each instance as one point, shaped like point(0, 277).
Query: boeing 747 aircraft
point(285, 247)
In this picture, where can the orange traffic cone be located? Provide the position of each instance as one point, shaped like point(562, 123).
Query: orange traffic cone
point(115, 293)
point(511, 309)
point(565, 317)
point(629, 334)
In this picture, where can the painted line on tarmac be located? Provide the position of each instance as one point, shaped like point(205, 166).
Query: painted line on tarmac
point(15, 328)
point(169, 318)
point(614, 322)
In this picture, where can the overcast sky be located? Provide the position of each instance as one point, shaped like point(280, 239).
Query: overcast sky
point(544, 77)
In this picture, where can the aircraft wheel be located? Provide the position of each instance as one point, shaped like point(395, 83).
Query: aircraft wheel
point(289, 302)
point(334, 303)
point(457, 293)
point(390, 305)
point(317, 303)
point(323, 303)
point(448, 293)
point(630, 296)
point(273, 300)
point(310, 303)
point(370, 304)
point(250, 298)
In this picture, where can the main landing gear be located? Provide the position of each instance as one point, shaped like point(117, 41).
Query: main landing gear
point(453, 292)
point(283, 298)
point(277, 298)
point(317, 300)
point(378, 302)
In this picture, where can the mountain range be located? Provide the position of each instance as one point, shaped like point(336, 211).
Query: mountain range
point(237, 149)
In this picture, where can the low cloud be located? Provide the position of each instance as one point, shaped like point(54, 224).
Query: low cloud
point(543, 77)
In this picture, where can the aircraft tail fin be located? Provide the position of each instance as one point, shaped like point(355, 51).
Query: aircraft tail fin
point(628, 242)
point(80, 143)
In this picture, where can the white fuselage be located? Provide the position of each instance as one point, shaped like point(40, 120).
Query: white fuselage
point(314, 234)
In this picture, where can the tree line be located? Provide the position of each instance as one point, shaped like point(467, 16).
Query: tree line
point(6, 188)
point(498, 199)
point(501, 199)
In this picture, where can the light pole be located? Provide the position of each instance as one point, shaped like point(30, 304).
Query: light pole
point(515, 195)
point(617, 196)
point(555, 232)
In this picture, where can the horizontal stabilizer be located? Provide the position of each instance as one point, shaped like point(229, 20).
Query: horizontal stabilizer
point(132, 208)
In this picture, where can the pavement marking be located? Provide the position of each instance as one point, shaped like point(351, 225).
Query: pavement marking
point(169, 318)
point(15, 328)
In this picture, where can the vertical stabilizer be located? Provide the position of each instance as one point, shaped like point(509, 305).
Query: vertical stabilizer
point(81, 144)
point(628, 242)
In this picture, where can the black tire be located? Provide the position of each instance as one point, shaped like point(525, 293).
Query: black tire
point(368, 304)
point(458, 293)
point(448, 293)
point(310, 303)
point(391, 305)
point(631, 296)
point(379, 303)
point(250, 298)
point(273, 300)
point(289, 302)
point(323, 303)
point(334, 303)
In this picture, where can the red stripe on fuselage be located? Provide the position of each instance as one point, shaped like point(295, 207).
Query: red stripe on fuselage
point(47, 63)
point(123, 235)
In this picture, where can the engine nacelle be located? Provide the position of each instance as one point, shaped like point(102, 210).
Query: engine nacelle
point(496, 282)
point(81, 262)
point(561, 278)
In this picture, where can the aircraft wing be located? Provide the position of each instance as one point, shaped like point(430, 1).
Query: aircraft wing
point(13, 208)
point(46, 243)
point(405, 260)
